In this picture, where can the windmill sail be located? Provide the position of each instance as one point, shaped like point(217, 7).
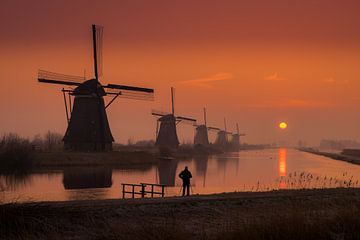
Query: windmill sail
point(188, 120)
point(58, 78)
point(97, 49)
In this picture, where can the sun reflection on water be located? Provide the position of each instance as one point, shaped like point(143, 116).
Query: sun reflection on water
point(282, 167)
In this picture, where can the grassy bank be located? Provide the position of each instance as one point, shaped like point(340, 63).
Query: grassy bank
point(336, 156)
point(293, 214)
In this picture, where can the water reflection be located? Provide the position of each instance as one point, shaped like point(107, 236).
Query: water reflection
point(228, 164)
point(282, 162)
point(88, 177)
point(240, 171)
point(201, 164)
point(282, 168)
point(167, 171)
point(15, 181)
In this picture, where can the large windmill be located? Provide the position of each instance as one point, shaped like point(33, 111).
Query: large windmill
point(166, 135)
point(235, 139)
point(88, 127)
point(201, 135)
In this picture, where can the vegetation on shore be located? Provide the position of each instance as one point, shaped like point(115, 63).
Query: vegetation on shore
point(292, 214)
point(18, 153)
point(336, 156)
point(15, 153)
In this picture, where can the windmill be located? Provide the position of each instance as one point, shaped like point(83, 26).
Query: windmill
point(88, 127)
point(222, 137)
point(166, 135)
point(201, 135)
point(235, 139)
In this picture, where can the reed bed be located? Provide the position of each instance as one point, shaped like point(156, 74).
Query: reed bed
point(15, 153)
point(304, 180)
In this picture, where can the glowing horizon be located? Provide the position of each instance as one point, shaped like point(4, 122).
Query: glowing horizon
point(252, 62)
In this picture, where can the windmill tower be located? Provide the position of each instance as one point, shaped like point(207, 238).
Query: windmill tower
point(88, 126)
point(235, 139)
point(222, 137)
point(166, 135)
point(201, 135)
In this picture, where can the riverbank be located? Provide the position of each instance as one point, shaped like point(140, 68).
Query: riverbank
point(336, 156)
point(113, 158)
point(290, 214)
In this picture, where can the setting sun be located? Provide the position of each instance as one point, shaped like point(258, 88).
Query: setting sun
point(283, 125)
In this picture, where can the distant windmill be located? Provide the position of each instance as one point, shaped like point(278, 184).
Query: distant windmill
point(88, 127)
point(222, 137)
point(201, 135)
point(167, 136)
point(235, 140)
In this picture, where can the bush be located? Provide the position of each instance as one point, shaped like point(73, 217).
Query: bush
point(15, 153)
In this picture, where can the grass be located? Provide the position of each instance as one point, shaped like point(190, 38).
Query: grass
point(297, 224)
point(313, 214)
point(304, 180)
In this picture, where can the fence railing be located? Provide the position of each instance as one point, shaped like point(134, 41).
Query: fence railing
point(143, 189)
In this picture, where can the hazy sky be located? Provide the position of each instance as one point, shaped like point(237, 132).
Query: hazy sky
point(253, 62)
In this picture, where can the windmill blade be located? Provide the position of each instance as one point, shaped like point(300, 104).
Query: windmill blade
point(42, 80)
point(130, 88)
point(186, 120)
point(214, 129)
point(133, 95)
point(159, 113)
point(98, 47)
point(58, 78)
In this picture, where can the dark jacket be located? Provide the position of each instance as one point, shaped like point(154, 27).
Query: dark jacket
point(185, 175)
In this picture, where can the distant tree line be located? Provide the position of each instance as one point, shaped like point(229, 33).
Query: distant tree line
point(50, 141)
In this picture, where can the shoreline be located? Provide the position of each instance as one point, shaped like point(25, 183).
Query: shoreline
point(125, 157)
point(335, 156)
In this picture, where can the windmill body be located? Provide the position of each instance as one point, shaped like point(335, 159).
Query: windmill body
point(201, 133)
point(88, 126)
point(166, 135)
point(201, 136)
point(221, 139)
point(235, 139)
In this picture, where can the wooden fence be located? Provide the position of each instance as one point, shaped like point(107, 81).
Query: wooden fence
point(143, 189)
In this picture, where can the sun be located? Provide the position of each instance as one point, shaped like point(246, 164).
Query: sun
point(283, 125)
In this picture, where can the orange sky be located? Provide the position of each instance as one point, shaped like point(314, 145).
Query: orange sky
point(253, 62)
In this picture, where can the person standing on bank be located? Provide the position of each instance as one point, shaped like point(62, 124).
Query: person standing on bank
point(185, 175)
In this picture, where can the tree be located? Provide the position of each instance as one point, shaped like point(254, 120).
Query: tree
point(52, 141)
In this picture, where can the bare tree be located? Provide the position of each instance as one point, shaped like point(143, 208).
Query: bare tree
point(37, 142)
point(52, 141)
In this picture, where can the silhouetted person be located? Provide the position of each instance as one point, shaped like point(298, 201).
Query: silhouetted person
point(185, 175)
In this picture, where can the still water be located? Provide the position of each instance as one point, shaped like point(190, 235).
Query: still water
point(259, 170)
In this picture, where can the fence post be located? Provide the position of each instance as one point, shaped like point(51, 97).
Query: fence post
point(133, 191)
point(123, 190)
point(152, 190)
point(162, 190)
point(143, 190)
